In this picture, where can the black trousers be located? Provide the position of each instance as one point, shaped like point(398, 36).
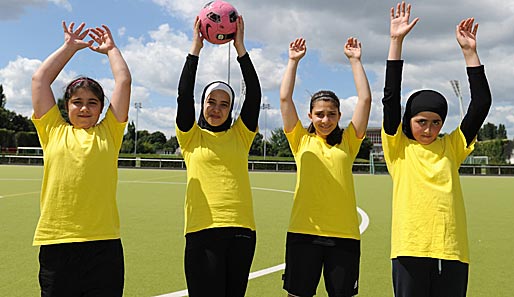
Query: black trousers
point(217, 261)
point(429, 277)
point(82, 269)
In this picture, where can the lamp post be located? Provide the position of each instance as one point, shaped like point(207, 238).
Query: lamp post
point(456, 88)
point(265, 107)
point(137, 105)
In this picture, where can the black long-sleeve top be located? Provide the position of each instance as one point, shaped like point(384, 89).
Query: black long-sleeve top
point(185, 100)
point(472, 121)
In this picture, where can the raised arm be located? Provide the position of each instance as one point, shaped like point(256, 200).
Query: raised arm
point(480, 93)
point(297, 50)
point(42, 96)
point(252, 104)
point(353, 51)
point(120, 101)
point(399, 28)
point(185, 101)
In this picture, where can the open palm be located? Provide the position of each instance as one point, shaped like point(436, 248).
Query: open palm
point(466, 34)
point(297, 49)
point(75, 37)
point(400, 20)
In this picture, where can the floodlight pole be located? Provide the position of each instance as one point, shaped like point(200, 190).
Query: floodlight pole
point(228, 70)
point(456, 89)
point(265, 107)
point(137, 105)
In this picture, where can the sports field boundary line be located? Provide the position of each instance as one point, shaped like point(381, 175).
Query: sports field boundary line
point(362, 227)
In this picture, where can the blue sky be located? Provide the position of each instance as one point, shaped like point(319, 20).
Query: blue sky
point(155, 36)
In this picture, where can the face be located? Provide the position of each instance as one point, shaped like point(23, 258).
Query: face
point(84, 109)
point(216, 108)
point(425, 126)
point(324, 116)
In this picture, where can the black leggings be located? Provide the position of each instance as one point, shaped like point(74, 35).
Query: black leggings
point(218, 260)
point(429, 277)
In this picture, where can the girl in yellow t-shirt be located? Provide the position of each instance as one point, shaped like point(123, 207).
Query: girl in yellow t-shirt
point(429, 244)
point(220, 225)
point(324, 228)
point(78, 230)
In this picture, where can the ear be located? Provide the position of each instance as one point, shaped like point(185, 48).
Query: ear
point(310, 116)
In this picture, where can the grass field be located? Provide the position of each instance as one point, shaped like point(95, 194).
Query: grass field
point(151, 211)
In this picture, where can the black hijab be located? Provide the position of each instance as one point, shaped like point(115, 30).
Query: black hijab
point(424, 100)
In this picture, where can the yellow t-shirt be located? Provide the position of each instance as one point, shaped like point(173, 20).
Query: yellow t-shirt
point(218, 190)
point(78, 195)
point(429, 218)
point(324, 199)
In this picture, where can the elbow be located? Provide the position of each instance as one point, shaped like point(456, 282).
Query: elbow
point(38, 79)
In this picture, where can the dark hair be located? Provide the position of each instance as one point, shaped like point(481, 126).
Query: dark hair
point(84, 83)
point(336, 136)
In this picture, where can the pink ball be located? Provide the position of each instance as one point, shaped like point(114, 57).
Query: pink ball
point(218, 22)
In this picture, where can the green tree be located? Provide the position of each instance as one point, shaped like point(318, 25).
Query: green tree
point(365, 149)
point(487, 132)
point(171, 144)
point(2, 97)
point(62, 108)
point(7, 138)
point(279, 146)
point(496, 150)
point(157, 138)
point(257, 147)
point(502, 132)
point(27, 139)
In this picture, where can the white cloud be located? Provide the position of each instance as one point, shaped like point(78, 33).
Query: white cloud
point(63, 3)
point(432, 56)
point(16, 79)
point(13, 9)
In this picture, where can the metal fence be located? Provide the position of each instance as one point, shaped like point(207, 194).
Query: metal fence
point(277, 166)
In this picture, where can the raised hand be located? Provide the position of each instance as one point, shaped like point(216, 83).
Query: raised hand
point(297, 49)
point(400, 25)
point(352, 48)
point(197, 44)
point(466, 34)
point(239, 38)
point(75, 38)
point(103, 37)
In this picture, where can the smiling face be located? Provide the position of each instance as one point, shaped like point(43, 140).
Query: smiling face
point(425, 126)
point(84, 109)
point(324, 116)
point(216, 108)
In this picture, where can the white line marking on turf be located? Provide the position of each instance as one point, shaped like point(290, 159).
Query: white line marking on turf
point(19, 194)
point(362, 227)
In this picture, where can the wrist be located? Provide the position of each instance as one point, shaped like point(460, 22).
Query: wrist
point(354, 60)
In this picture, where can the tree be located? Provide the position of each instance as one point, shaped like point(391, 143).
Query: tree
point(3, 99)
point(502, 132)
point(62, 108)
point(365, 149)
point(27, 139)
point(257, 145)
point(495, 149)
point(172, 144)
point(279, 146)
point(489, 131)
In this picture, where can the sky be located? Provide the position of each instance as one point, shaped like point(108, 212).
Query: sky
point(155, 37)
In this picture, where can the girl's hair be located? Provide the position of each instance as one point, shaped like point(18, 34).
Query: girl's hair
point(86, 83)
point(336, 135)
